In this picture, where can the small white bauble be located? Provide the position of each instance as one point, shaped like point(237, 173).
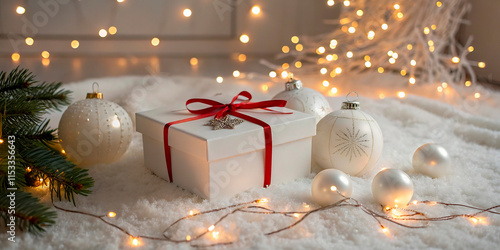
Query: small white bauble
point(304, 99)
point(432, 159)
point(326, 184)
point(95, 131)
point(347, 139)
point(392, 188)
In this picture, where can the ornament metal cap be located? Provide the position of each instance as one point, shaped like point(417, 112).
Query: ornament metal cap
point(95, 94)
point(292, 84)
point(354, 104)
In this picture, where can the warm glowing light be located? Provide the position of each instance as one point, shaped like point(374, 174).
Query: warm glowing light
point(351, 30)
point(305, 205)
point(431, 48)
point(432, 203)
point(349, 54)
point(298, 64)
point(242, 57)
point(285, 49)
point(112, 30)
point(330, 2)
point(338, 70)
point(323, 71)
point(470, 48)
point(415, 202)
point(430, 43)
point(188, 237)
point(413, 63)
point(75, 44)
point(401, 94)
point(444, 84)
point(255, 10)
point(263, 200)
point(295, 39)
point(329, 58)
point(440, 89)
point(468, 83)
point(116, 122)
point(29, 41)
point(28, 169)
point(193, 61)
point(219, 79)
point(395, 55)
point(20, 10)
point(103, 33)
point(236, 73)
point(481, 64)
point(396, 6)
point(381, 96)
point(433, 27)
point(155, 41)
point(403, 72)
point(367, 58)
point(392, 60)
point(326, 83)
point(191, 212)
point(380, 70)
point(211, 228)
point(244, 38)
point(399, 15)
point(45, 62)
point(387, 208)
point(390, 53)
point(333, 188)
point(120, 1)
point(334, 90)
point(474, 220)
point(412, 80)
point(384, 26)
point(359, 12)
point(409, 46)
point(187, 12)
point(296, 215)
point(427, 30)
point(333, 44)
point(477, 95)
point(285, 65)
point(371, 34)
point(215, 235)
point(320, 50)
point(385, 230)
point(111, 214)
point(45, 54)
point(15, 57)
point(347, 3)
point(368, 64)
point(284, 74)
point(455, 59)
point(135, 242)
point(439, 4)
point(299, 47)
point(272, 74)
point(264, 87)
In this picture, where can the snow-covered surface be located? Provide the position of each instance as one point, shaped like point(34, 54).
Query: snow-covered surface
point(468, 128)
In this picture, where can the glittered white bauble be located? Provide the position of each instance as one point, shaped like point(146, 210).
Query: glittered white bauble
point(347, 139)
point(304, 99)
point(432, 159)
point(327, 184)
point(95, 131)
point(392, 188)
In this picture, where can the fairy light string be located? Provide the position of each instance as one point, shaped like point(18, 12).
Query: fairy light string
point(396, 215)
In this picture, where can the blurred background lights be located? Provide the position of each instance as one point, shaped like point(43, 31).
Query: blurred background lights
point(255, 10)
point(155, 41)
point(193, 61)
point(244, 38)
point(187, 12)
point(219, 79)
point(272, 74)
point(45, 54)
point(75, 44)
point(236, 73)
point(103, 33)
point(20, 10)
point(330, 2)
point(29, 41)
point(294, 39)
point(112, 30)
point(15, 57)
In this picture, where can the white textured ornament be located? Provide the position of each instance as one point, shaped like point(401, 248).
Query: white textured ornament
point(95, 131)
point(327, 184)
point(433, 160)
point(304, 99)
point(392, 188)
point(347, 139)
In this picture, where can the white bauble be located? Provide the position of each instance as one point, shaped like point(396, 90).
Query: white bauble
point(95, 131)
point(304, 99)
point(392, 188)
point(347, 139)
point(432, 159)
point(327, 184)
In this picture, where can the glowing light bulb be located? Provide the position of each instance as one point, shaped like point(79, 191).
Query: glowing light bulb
point(103, 33)
point(440, 89)
point(455, 59)
point(323, 71)
point(395, 55)
point(263, 200)
point(380, 70)
point(45, 54)
point(468, 83)
point(470, 48)
point(272, 74)
point(334, 90)
point(385, 230)
point(295, 39)
point(285, 49)
point(359, 12)
point(255, 10)
point(351, 30)
point(330, 2)
point(244, 38)
point(439, 4)
point(320, 50)
point(215, 235)
point(371, 35)
point(430, 43)
point(219, 79)
point(112, 30)
point(155, 41)
point(120, 1)
point(111, 214)
point(296, 215)
point(284, 74)
point(63, 151)
point(403, 72)
point(15, 57)
point(477, 95)
point(445, 85)
point(399, 15)
point(409, 47)
point(45, 62)
point(338, 70)
point(20, 10)
point(333, 44)
point(335, 57)
point(285, 65)
point(481, 64)
point(333, 188)
point(347, 3)
point(264, 87)
point(368, 64)
point(211, 228)
point(187, 12)
point(390, 52)
point(433, 27)
point(349, 54)
point(242, 57)
point(326, 83)
point(188, 237)
point(329, 58)
point(412, 80)
point(75, 44)
point(236, 73)
point(401, 94)
point(298, 64)
point(384, 26)
point(415, 202)
point(396, 6)
point(427, 30)
point(299, 47)
point(193, 61)
point(392, 60)
point(413, 62)
point(29, 41)
point(431, 48)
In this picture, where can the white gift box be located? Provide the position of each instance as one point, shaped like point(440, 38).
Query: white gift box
point(221, 163)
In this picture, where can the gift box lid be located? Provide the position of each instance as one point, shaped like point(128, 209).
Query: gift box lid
point(210, 145)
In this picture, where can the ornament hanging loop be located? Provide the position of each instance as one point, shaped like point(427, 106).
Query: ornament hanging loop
point(95, 87)
point(95, 94)
point(351, 104)
point(353, 92)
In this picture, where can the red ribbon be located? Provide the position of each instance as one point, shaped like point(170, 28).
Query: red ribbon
point(220, 110)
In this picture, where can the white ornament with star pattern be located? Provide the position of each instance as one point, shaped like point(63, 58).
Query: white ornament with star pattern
point(347, 139)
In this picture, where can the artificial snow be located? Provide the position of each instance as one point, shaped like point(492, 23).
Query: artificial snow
point(145, 204)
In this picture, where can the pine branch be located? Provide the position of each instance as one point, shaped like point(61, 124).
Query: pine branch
point(28, 212)
point(17, 79)
point(50, 95)
point(40, 133)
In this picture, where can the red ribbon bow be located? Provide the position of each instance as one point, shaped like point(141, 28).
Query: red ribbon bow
point(220, 110)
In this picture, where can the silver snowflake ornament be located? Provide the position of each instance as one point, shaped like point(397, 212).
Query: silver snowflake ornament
point(224, 123)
